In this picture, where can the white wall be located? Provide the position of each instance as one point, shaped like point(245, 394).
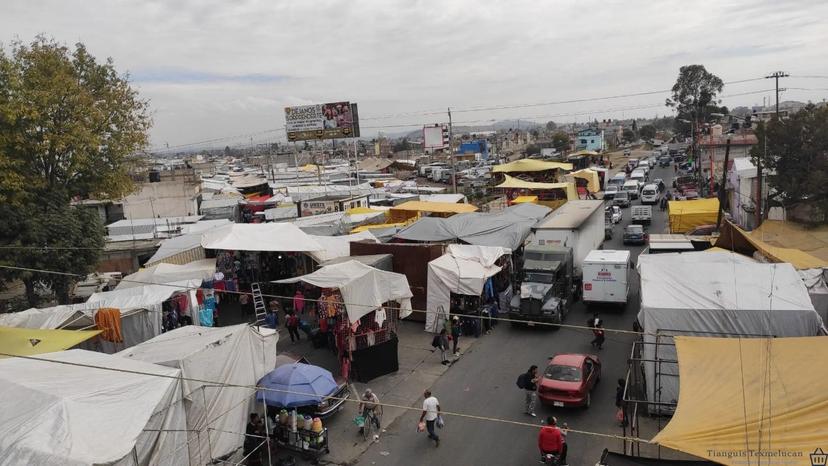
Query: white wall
point(172, 198)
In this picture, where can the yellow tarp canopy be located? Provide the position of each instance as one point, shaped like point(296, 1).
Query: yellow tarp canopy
point(30, 341)
point(515, 183)
point(686, 215)
point(591, 176)
point(435, 207)
point(740, 394)
point(584, 152)
point(525, 199)
point(530, 165)
point(311, 168)
point(362, 210)
point(780, 242)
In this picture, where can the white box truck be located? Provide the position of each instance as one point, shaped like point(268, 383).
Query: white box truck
point(578, 225)
point(606, 277)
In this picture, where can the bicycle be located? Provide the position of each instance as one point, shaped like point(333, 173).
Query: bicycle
point(370, 423)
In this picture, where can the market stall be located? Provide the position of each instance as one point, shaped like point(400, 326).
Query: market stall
point(356, 314)
point(463, 270)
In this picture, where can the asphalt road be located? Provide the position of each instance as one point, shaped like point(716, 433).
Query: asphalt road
point(482, 383)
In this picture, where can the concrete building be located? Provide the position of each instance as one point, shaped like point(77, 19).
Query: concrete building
point(590, 139)
point(712, 150)
point(164, 193)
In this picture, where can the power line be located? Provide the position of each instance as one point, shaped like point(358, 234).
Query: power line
point(397, 308)
point(294, 392)
point(459, 110)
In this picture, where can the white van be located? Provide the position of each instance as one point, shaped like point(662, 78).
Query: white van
point(631, 187)
point(606, 277)
point(639, 176)
point(649, 194)
point(644, 164)
point(618, 180)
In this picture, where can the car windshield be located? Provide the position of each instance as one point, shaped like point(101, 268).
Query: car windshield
point(621, 196)
point(533, 277)
point(635, 229)
point(563, 373)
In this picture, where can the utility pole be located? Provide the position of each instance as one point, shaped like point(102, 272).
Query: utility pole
point(760, 204)
point(451, 154)
point(776, 75)
point(722, 190)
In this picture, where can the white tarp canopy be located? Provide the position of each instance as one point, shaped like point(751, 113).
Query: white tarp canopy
point(463, 269)
point(53, 413)
point(363, 288)
point(338, 246)
point(239, 355)
point(169, 273)
point(185, 245)
point(715, 294)
point(285, 237)
point(140, 312)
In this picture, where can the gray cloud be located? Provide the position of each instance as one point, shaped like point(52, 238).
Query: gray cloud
point(214, 68)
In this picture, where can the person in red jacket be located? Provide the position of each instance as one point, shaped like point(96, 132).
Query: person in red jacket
point(551, 440)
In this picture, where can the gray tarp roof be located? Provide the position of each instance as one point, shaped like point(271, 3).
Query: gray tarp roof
point(507, 228)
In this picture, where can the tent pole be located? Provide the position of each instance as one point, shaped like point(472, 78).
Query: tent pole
point(209, 443)
point(267, 430)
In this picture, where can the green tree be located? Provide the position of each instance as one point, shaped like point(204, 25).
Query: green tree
point(694, 92)
point(794, 155)
point(628, 135)
point(57, 238)
point(551, 126)
point(647, 132)
point(402, 145)
point(532, 149)
point(69, 129)
point(560, 140)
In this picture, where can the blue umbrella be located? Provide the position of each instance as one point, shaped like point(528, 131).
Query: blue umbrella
point(294, 385)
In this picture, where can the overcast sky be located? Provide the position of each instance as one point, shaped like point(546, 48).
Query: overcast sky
point(218, 68)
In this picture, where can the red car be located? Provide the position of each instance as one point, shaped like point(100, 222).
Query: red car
point(569, 379)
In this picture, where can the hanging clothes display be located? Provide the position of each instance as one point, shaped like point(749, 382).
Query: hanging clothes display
point(108, 320)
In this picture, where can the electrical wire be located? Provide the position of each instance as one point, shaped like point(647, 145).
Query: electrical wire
point(396, 308)
point(458, 110)
point(294, 392)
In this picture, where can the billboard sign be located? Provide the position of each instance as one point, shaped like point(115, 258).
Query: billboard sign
point(322, 121)
point(435, 137)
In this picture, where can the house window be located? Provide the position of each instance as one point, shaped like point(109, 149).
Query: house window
point(583, 141)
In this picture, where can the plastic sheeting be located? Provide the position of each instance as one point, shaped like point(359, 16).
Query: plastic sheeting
point(686, 215)
point(711, 294)
point(284, 237)
point(508, 228)
point(239, 355)
point(591, 177)
point(530, 165)
point(169, 273)
point(768, 395)
point(29, 341)
point(53, 413)
point(179, 250)
point(464, 269)
point(363, 288)
point(338, 246)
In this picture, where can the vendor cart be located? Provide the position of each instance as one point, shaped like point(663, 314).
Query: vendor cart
point(310, 444)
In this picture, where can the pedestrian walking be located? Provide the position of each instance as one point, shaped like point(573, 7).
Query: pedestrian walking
point(440, 341)
point(455, 335)
point(431, 414)
point(292, 324)
point(528, 381)
point(598, 333)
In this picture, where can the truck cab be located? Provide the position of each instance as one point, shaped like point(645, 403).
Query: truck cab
point(547, 285)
